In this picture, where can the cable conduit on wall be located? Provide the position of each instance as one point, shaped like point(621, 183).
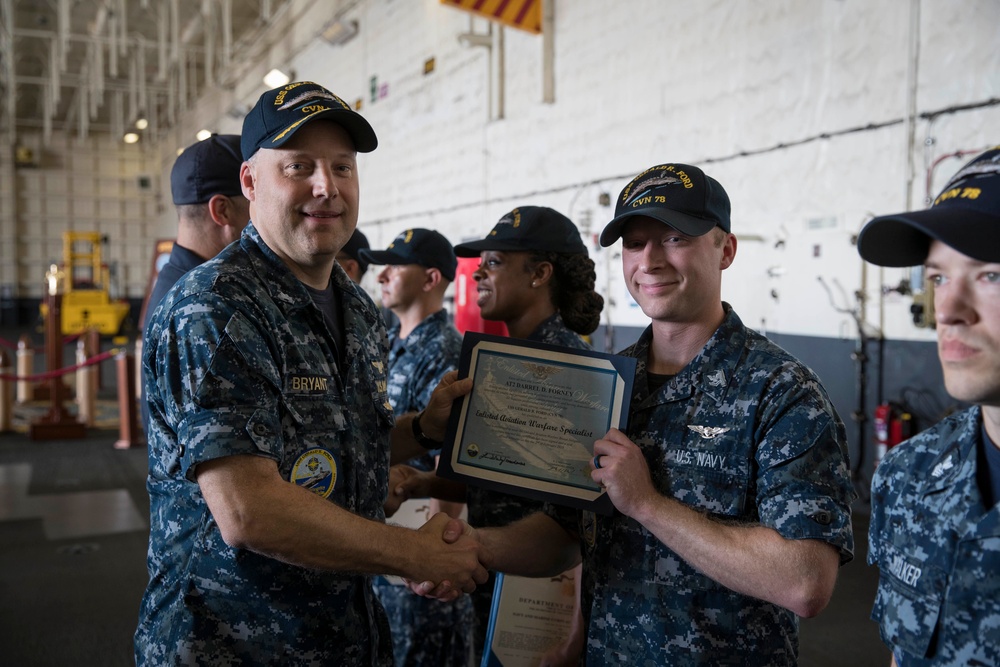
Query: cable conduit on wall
point(927, 115)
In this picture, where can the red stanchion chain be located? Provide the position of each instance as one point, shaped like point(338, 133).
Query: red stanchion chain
point(48, 375)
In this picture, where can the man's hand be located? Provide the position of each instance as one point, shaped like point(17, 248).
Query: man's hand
point(623, 472)
point(434, 419)
point(405, 482)
point(454, 562)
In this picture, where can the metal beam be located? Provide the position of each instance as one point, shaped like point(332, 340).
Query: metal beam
point(79, 81)
point(7, 10)
point(134, 41)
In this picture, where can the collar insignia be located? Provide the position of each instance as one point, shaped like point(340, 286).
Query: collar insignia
point(944, 466)
point(717, 379)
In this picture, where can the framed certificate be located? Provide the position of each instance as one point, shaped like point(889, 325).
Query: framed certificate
point(529, 616)
point(529, 425)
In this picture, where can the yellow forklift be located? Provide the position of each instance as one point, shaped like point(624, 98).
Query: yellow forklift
point(86, 303)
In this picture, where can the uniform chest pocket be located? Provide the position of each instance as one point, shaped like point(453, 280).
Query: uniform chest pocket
point(311, 413)
point(722, 492)
point(909, 599)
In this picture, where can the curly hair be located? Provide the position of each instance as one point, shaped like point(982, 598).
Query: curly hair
point(572, 289)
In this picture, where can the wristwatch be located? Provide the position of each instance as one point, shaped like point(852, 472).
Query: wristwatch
point(422, 438)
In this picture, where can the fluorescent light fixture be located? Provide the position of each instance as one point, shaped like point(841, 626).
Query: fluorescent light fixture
point(141, 124)
point(340, 32)
point(276, 78)
point(202, 135)
point(130, 138)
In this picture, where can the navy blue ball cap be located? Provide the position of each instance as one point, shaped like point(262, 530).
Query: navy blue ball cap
point(529, 229)
point(281, 112)
point(425, 247)
point(965, 216)
point(678, 195)
point(207, 168)
point(354, 246)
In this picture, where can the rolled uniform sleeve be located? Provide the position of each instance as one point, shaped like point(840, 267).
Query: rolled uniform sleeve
point(804, 488)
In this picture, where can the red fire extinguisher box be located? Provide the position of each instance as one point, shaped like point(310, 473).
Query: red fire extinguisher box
point(467, 315)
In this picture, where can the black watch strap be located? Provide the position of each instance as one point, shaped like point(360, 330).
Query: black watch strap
point(422, 439)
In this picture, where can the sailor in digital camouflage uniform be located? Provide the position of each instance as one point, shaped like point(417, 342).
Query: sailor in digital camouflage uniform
point(731, 487)
point(536, 277)
point(420, 264)
point(211, 214)
point(270, 424)
point(935, 521)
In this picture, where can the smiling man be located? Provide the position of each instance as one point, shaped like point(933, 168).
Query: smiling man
point(731, 485)
point(270, 424)
point(935, 523)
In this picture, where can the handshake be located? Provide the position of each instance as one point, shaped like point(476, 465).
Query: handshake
point(451, 559)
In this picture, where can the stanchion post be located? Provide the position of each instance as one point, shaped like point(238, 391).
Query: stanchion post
point(129, 434)
point(25, 368)
point(93, 338)
point(85, 394)
point(57, 424)
point(6, 393)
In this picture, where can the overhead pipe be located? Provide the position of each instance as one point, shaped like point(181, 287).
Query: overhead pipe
point(62, 26)
point(113, 46)
point(162, 26)
point(172, 100)
point(501, 76)
point(153, 116)
point(209, 15)
point(141, 67)
point(84, 117)
point(133, 90)
point(123, 28)
point(7, 7)
point(55, 83)
point(47, 116)
point(548, 52)
point(226, 9)
point(117, 115)
point(175, 31)
point(910, 113)
point(91, 86)
point(95, 76)
point(182, 80)
point(99, 71)
point(95, 62)
point(96, 54)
